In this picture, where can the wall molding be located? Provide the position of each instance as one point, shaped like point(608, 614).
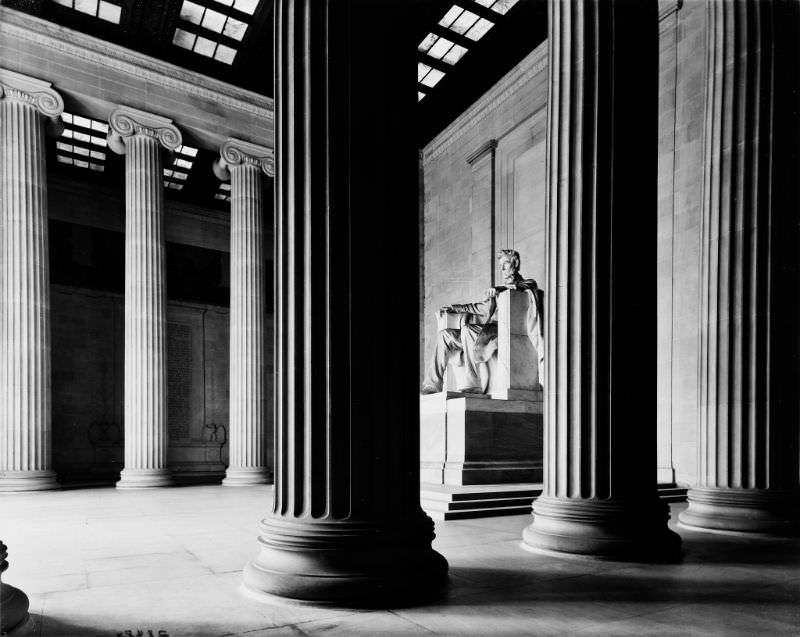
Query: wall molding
point(534, 63)
point(85, 47)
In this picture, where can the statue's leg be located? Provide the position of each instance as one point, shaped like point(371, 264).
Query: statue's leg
point(447, 342)
point(472, 378)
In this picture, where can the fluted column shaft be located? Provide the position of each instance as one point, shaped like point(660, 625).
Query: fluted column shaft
point(346, 524)
point(25, 389)
point(248, 418)
point(748, 456)
point(599, 494)
point(145, 404)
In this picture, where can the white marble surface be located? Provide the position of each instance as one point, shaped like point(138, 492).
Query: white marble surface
point(98, 562)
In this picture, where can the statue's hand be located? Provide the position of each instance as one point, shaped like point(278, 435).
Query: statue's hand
point(493, 292)
point(447, 309)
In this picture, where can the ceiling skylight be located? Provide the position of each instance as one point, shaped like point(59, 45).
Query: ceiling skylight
point(213, 28)
point(500, 6)
point(102, 9)
point(83, 142)
point(223, 192)
point(177, 173)
point(438, 52)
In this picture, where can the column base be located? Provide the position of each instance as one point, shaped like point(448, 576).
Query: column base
point(733, 510)
point(14, 617)
point(246, 476)
point(144, 478)
point(11, 481)
point(606, 529)
point(345, 563)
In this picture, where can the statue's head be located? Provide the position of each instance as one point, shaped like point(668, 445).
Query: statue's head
point(509, 264)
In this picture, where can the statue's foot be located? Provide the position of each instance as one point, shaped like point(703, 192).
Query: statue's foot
point(471, 390)
point(429, 389)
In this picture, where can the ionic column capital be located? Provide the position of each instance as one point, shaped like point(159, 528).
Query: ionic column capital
point(38, 93)
point(237, 152)
point(125, 122)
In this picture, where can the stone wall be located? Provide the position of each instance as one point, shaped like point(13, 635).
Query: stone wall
point(87, 367)
point(682, 95)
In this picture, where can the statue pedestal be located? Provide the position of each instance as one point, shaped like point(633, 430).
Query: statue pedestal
point(479, 456)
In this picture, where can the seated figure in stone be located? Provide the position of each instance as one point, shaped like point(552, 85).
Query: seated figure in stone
point(476, 340)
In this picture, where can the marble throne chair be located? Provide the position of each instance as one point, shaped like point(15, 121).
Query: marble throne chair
point(513, 370)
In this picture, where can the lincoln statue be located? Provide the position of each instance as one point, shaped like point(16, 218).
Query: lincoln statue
point(476, 339)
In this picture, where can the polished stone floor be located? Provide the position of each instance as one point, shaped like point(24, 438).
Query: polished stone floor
point(99, 562)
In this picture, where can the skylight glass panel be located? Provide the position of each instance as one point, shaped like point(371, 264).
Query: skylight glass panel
point(225, 54)
point(192, 12)
point(246, 6)
point(422, 70)
point(109, 12)
point(102, 9)
point(214, 20)
point(77, 146)
point(454, 54)
point(441, 47)
point(176, 174)
point(451, 16)
point(420, 95)
point(479, 30)
point(432, 78)
point(464, 22)
point(502, 6)
point(86, 6)
point(204, 46)
point(235, 29)
point(184, 39)
point(428, 42)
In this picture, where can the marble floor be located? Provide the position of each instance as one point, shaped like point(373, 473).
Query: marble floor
point(100, 562)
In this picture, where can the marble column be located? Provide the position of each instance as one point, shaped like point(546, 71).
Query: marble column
point(143, 138)
point(346, 525)
point(243, 163)
point(26, 106)
point(599, 496)
point(14, 604)
point(748, 443)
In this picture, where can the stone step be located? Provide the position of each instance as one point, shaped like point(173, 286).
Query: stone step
point(451, 502)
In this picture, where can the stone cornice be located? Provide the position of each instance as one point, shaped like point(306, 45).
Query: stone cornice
point(26, 27)
point(237, 152)
point(519, 76)
point(37, 93)
point(126, 122)
point(479, 152)
point(668, 7)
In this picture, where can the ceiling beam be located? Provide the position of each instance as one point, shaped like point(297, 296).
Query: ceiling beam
point(480, 10)
point(444, 67)
point(451, 35)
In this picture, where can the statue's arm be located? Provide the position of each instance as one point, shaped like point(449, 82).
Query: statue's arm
point(479, 309)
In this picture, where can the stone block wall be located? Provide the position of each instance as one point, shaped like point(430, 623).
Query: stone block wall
point(682, 95)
